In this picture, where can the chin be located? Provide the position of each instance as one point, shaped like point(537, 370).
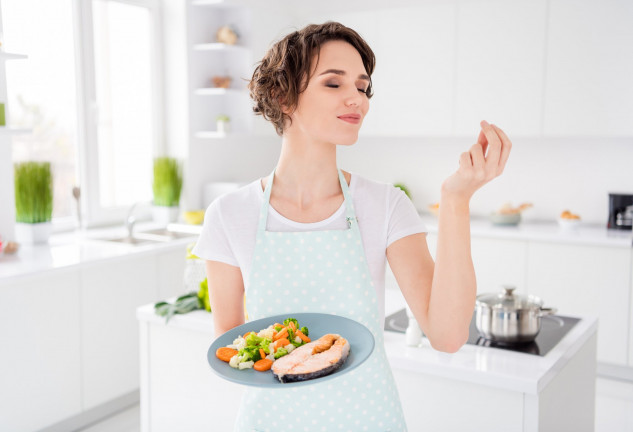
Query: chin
point(347, 139)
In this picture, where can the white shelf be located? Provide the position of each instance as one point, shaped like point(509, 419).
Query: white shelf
point(215, 134)
point(214, 91)
point(14, 130)
point(215, 3)
point(216, 46)
point(11, 56)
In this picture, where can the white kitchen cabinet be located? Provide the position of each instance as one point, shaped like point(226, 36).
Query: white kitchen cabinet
point(499, 262)
point(588, 85)
point(179, 392)
point(586, 281)
point(499, 70)
point(414, 71)
point(110, 293)
point(40, 359)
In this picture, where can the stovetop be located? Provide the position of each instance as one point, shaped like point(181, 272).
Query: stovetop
point(553, 329)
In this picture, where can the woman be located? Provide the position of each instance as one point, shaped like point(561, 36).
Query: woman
point(317, 240)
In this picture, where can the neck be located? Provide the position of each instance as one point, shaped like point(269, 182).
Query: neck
point(306, 170)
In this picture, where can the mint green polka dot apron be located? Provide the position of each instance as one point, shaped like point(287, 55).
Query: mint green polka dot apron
point(327, 272)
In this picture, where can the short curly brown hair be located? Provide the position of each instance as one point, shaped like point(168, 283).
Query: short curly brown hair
point(284, 71)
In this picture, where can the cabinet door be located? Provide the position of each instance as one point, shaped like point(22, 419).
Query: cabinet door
point(499, 73)
point(414, 70)
point(586, 280)
point(171, 270)
point(40, 355)
point(588, 86)
point(111, 292)
point(499, 262)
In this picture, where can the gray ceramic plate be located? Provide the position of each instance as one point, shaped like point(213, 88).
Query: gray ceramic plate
point(361, 342)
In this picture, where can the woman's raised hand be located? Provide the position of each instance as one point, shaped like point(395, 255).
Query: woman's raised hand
point(484, 161)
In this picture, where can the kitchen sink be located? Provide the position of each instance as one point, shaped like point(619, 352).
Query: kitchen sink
point(160, 235)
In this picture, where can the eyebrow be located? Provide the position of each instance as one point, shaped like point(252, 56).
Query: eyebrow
point(342, 72)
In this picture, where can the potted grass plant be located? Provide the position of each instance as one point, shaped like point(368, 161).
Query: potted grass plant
point(167, 186)
point(33, 201)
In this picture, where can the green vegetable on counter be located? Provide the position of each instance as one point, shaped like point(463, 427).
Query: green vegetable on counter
point(183, 304)
point(203, 295)
point(404, 189)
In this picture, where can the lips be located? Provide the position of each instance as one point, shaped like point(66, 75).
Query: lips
point(350, 118)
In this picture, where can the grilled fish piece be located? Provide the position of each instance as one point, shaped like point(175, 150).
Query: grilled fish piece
point(312, 360)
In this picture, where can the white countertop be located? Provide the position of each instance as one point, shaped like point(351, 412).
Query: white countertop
point(77, 248)
point(550, 232)
point(509, 370)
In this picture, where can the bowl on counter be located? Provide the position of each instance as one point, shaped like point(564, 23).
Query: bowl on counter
point(505, 219)
point(568, 224)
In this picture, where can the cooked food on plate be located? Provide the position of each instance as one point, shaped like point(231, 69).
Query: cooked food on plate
point(288, 351)
point(271, 343)
point(313, 360)
point(569, 215)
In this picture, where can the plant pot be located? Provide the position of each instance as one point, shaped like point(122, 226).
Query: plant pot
point(165, 215)
point(36, 233)
point(223, 126)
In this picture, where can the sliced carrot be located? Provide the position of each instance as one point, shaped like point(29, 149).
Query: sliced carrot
point(302, 336)
point(247, 333)
point(281, 334)
point(278, 325)
point(281, 342)
point(262, 353)
point(225, 353)
point(263, 365)
point(291, 324)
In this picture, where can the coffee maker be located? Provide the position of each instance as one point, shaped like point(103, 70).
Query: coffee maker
point(620, 211)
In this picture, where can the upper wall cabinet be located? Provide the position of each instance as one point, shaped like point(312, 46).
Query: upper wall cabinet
point(414, 70)
point(499, 69)
point(589, 81)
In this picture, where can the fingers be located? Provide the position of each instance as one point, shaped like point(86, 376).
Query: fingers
point(477, 156)
point(505, 149)
point(494, 146)
point(483, 141)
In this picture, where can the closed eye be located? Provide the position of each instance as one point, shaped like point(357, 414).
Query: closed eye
point(337, 86)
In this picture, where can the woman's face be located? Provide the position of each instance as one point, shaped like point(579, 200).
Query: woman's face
point(334, 104)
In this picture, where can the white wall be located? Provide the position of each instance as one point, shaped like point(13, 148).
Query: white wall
point(553, 173)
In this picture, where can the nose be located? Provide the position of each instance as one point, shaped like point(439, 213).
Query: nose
point(354, 99)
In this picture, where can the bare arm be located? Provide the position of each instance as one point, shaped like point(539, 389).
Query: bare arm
point(226, 295)
point(441, 295)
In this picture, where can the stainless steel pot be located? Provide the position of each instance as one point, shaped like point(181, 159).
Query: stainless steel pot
point(509, 318)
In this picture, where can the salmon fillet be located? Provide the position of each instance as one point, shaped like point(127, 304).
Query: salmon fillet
point(312, 360)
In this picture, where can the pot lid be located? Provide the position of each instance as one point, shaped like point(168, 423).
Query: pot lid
point(508, 300)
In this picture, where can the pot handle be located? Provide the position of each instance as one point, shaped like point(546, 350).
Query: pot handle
point(547, 311)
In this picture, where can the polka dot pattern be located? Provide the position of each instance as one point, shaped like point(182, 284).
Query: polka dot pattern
point(320, 271)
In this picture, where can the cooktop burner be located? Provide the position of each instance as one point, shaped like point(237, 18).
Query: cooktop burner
point(553, 329)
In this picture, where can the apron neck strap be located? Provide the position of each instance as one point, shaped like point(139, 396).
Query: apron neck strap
point(349, 205)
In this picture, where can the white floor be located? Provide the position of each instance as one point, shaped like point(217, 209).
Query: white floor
point(614, 411)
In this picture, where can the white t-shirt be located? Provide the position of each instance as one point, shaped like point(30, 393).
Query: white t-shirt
point(385, 214)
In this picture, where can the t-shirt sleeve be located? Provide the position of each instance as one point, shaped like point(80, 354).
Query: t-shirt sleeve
point(213, 243)
point(404, 219)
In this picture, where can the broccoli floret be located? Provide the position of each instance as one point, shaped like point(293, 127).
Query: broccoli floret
point(287, 320)
point(280, 352)
point(304, 330)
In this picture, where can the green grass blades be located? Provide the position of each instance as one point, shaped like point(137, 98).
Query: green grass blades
point(33, 192)
point(167, 183)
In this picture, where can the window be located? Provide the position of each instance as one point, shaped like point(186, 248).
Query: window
point(90, 91)
point(41, 91)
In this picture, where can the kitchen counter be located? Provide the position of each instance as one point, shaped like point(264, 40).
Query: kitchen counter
point(551, 232)
point(77, 248)
point(482, 370)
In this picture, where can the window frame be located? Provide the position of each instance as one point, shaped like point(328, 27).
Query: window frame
point(93, 213)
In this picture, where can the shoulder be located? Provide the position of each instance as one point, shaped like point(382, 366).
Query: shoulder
point(243, 200)
point(366, 188)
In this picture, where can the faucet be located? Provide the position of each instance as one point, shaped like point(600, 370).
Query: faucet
point(130, 220)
